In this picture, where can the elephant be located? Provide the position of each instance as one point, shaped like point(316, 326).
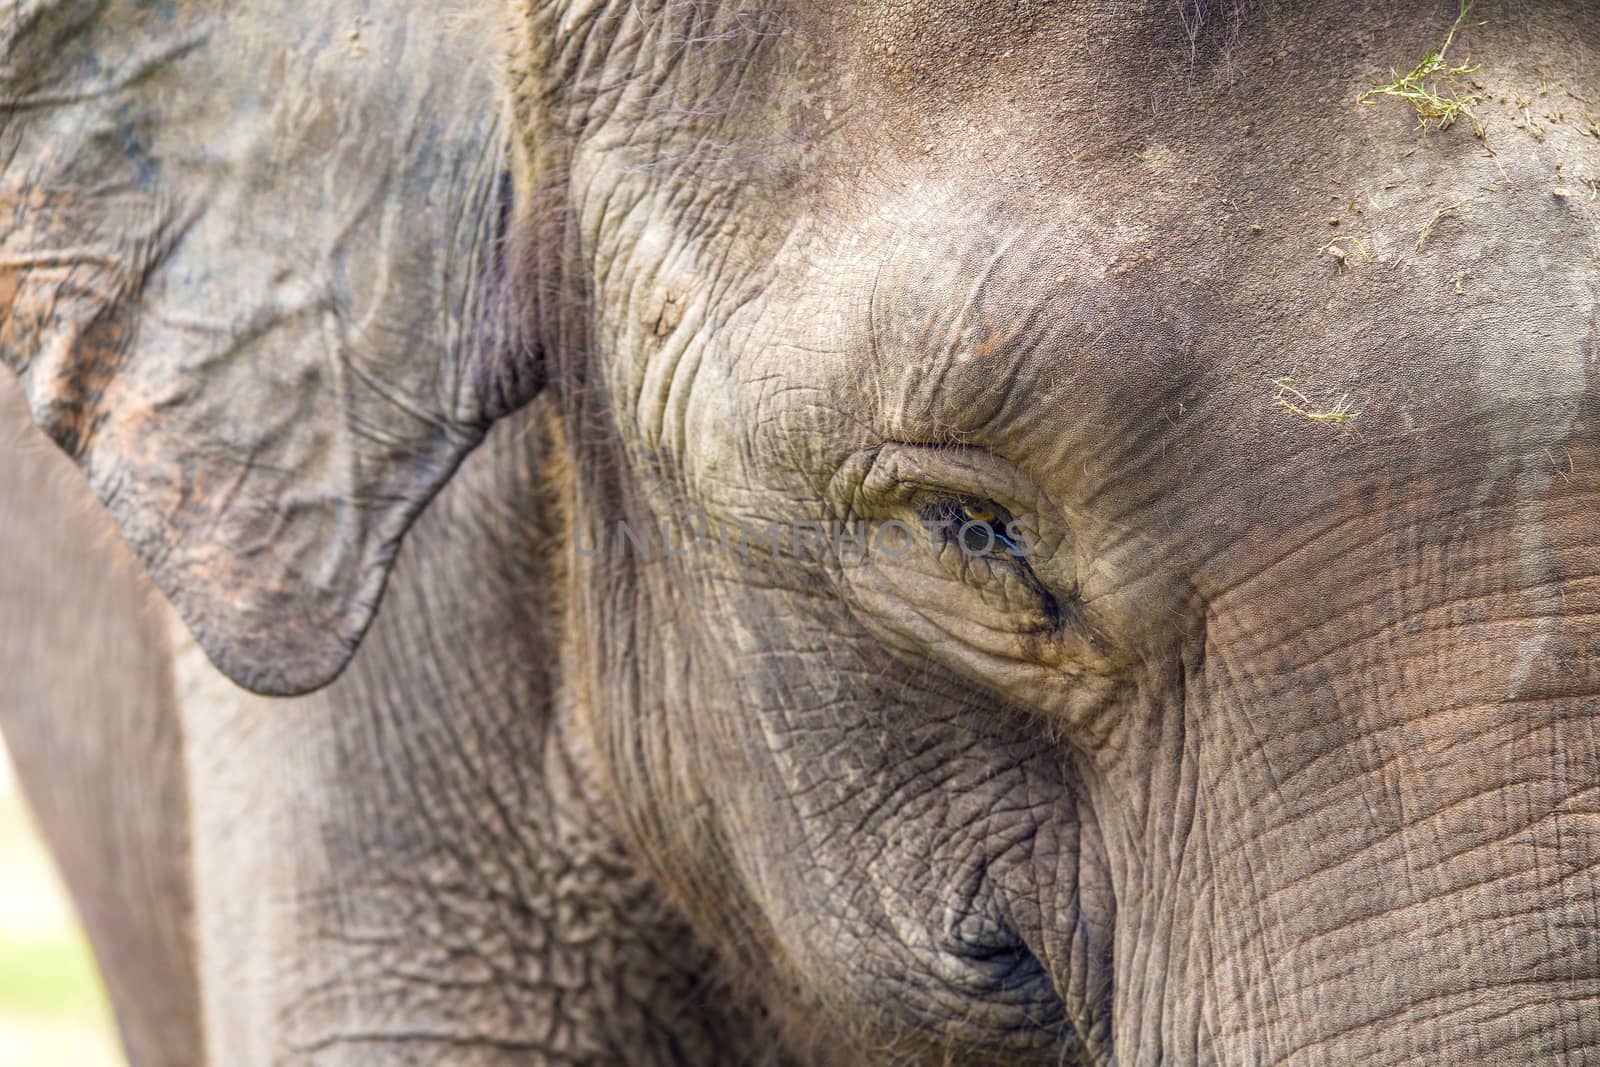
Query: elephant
point(851, 533)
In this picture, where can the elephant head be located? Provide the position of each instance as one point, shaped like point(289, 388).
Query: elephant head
point(1134, 490)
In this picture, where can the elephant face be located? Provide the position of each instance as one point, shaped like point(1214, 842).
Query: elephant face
point(1133, 502)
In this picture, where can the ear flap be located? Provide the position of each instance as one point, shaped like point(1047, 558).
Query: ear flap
point(247, 254)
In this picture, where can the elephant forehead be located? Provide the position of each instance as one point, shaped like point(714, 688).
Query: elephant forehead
point(1082, 283)
point(900, 40)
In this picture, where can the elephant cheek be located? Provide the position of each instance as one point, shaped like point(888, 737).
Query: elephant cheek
point(1384, 804)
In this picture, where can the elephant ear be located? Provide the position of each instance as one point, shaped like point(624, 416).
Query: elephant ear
point(248, 265)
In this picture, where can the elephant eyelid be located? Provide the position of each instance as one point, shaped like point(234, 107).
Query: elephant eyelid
point(977, 528)
point(987, 554)
point(945, 490)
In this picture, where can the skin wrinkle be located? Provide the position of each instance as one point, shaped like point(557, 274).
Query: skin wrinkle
point(502, 825)
point(760, 247)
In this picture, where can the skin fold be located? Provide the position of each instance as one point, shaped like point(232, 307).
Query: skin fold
point(1279, 745)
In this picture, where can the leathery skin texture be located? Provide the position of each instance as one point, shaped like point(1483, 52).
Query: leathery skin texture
point(1208, 675)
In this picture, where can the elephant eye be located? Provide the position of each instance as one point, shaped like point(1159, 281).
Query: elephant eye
point(979, 542)
point(979, 528)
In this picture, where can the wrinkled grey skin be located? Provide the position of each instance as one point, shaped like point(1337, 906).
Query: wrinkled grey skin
point(1280, 748)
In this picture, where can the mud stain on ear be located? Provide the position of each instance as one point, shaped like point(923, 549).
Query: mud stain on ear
point(994, 340)
point(10, 282)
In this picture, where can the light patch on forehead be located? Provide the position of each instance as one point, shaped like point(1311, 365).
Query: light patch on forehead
point(1505, 271)
point(1552, 376)
point(1559, 380)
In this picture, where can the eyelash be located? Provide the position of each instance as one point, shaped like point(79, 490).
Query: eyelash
point(992, 539)
point(989, 556)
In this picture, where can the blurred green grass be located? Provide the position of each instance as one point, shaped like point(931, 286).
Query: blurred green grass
point(53, 1010)
point(48, 980)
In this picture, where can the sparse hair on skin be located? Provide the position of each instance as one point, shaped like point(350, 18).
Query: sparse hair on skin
point(1296, 402)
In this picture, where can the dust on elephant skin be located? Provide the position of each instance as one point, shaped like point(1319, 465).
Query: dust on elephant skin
point(1227, 692)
